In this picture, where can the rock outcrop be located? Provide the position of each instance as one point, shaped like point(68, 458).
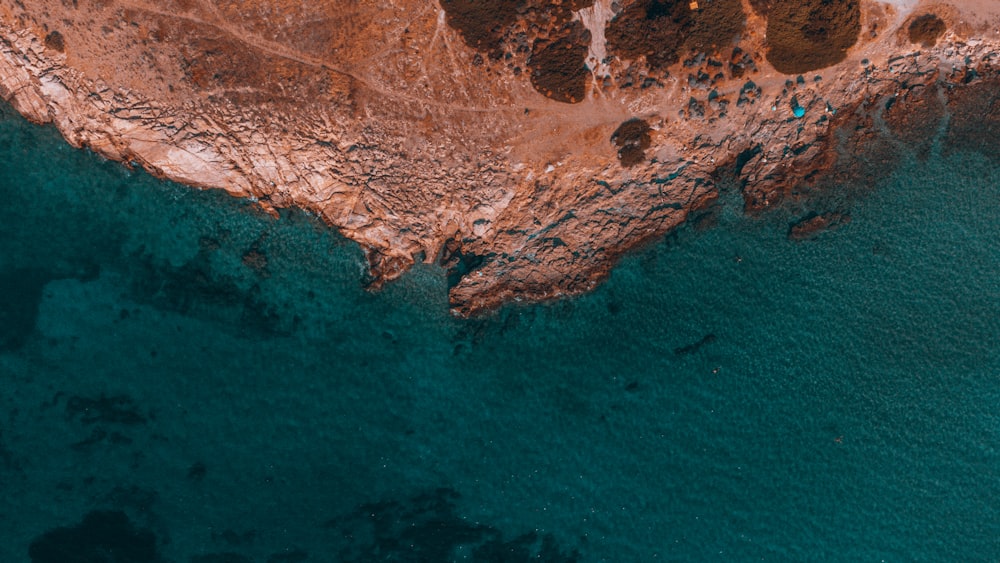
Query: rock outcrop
point(525, 145)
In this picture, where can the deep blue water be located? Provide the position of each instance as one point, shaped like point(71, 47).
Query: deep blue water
point(187, 379)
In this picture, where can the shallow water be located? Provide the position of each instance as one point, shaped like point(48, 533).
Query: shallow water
point(222, 380)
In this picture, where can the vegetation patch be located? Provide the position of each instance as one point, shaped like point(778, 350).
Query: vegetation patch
point(554, 46)
point(632, 139)
point(664, 30)
point(558, 68)
point(760, 6)
point(926, 29)
point(482, 24)
point(655, 29)
point(54, 40)
point(715, 26)
point(806, 35)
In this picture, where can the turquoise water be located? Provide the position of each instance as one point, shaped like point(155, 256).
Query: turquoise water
point(187, 379)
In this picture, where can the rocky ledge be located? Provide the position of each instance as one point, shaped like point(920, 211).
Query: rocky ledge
point(525, 145)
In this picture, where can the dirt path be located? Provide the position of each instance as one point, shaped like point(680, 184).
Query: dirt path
point(279, 50)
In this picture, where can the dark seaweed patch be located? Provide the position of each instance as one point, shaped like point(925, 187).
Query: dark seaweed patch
point(234, 538)
point(198, 289)
point(117, 409)
point(137, 499)
point(256, 260)
point(632, 139)
point(102, 537)
point(806, 35)
point(197, 471)
point(426, 527)
point(227, 557)
point(98, 436)
point(7, 460)
point(20, 296)
point(291, 556)
point(926, 29)
point(694, 346)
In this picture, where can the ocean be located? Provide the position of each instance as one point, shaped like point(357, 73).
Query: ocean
point(186, 379)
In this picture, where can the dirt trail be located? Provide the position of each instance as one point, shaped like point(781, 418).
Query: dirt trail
point(241, 35)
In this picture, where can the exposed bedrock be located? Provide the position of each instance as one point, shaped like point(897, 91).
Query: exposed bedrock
point(525, 145)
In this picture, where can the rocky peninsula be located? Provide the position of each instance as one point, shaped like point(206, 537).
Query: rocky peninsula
point(523, 144)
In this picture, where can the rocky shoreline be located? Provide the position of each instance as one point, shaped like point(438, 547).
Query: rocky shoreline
point(420, 147)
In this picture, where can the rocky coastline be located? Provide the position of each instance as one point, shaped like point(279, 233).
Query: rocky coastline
point(526, 155)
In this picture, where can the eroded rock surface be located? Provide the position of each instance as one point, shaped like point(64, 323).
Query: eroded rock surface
point(524, 144)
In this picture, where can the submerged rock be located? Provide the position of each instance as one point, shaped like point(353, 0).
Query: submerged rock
point(816, 223)
point(104, 536)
